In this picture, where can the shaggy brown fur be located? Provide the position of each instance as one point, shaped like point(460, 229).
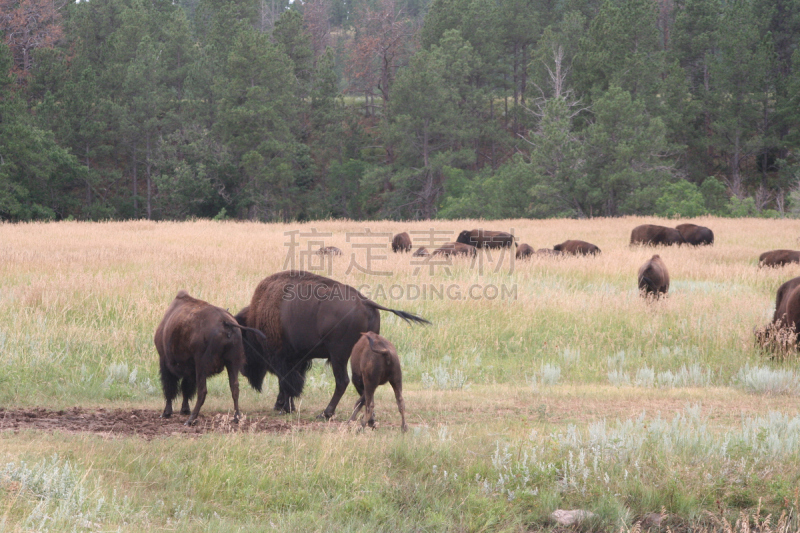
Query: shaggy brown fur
point(650, 234)
point(304, 317)
point(525, 251)
point(374, 362)
point(401, 243)
point(577, 248)
point(695, 235)
point(653, 277)
point(776, 258)
point(456, 248)
point(195, 340)
point(780, 335)
point(329, 250)
point(421, 252)
point(781, 299)
point(481, 238)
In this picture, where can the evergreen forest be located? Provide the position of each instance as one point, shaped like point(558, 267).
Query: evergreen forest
point(273, 110)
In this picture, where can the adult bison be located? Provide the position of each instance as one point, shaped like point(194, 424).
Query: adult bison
point(653, 277)
point(525, 251)
point(456, 248)
point(481, 238)
point(577, 248)
point(401, 243)
point(650, 234)
point(781, 333)
point(305, 316)
point(195, 340)
point(776, 258)
point(695, 235)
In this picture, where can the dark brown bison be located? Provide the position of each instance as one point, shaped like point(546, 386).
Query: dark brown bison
point(776, 258)
point(329, 250)
point(525, 251)
point(401, 243)
point(421, 252)
point(695, 235)
point(374, 362)
point(195, 340)
point(653, 277)
point(652, 235)
point(577, 248)
point(481, 238)
point(304, 317)
point(781, 298)
point(456, 248)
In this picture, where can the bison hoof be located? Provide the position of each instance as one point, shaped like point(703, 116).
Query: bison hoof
point(166, 415)
point(324, 416)
point(190, 422)
point(186, 411)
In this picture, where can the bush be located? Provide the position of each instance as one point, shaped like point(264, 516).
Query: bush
point(681, 199)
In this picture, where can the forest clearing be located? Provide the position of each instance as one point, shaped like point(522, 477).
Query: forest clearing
point(540, 385)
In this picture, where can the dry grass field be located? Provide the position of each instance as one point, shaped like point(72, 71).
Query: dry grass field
point(540, 385)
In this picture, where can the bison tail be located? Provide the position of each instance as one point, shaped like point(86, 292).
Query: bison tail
point(255, 331)
point(408, 317)
point(256, 365)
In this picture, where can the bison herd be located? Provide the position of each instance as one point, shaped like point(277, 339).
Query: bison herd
point(296, 316)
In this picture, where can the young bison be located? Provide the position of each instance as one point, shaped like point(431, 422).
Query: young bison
point(653, 277)
point(373, 362)
point(195, 340)
point(525, 251)
point(577, 248)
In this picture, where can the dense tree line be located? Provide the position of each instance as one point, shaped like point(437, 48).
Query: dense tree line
point(266, 110)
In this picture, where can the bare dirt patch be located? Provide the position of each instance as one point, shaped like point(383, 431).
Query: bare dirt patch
point(139, 422)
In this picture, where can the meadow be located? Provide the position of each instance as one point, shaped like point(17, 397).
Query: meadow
point(540, 385)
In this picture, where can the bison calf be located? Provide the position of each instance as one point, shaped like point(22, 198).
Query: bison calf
point(653, 277)
point(777, 258)
point(195, 340)
point(577, 248)
point(373, 362)
point(421, 252)
point(401, 243)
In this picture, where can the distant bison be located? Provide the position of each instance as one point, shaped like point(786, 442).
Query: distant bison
point(525, 251)
point(421, 252)
point(374, 362)
point(481, 238)
point(649, 234)
point(456, 248)
point(305, 316)
point(401, 243)
point(776, 258)
point(695, 235)
point(653, 277)
point(577, 248)
point(329, 250)
point(195, 340)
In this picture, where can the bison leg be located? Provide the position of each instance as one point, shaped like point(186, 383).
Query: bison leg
point(188, 387)
point(339, 367)
point(397, 385)
point(369, 410)
point(169, 384)
point(201, 398)
point(233, 381)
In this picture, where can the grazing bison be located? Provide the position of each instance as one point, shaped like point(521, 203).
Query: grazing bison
point(305, 316)
point(776, 258)
point(695, 235)
point(781, 298)
point(195, 340)
point(525, 251)
point(781, 334)
point(653, 277)
point(329, 250)
point(374, 362)
point(421, 252)
point(650, 234)
point(456, 248)
point(577, 248)
point(481, 238)
point(401, 243)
